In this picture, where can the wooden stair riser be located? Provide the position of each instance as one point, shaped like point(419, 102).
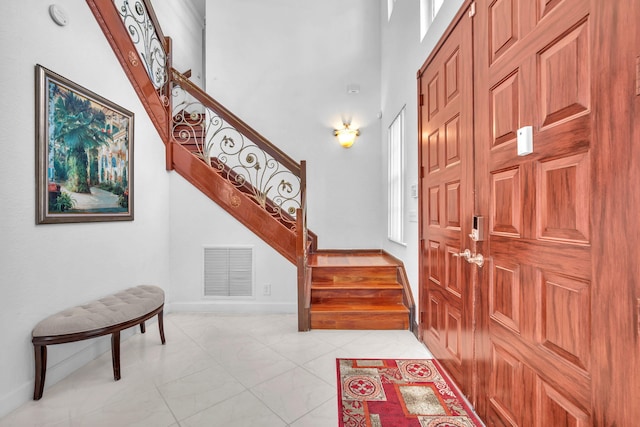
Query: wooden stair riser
point(364, 296)
point(359, 320)
point(357, 297)
point(353, 274)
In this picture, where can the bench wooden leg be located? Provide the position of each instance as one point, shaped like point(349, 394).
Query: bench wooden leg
point(161, 326)
point(115, 354)
point(41, 370)
point(142, 328)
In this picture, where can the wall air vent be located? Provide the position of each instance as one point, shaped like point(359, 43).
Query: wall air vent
point(228, 271)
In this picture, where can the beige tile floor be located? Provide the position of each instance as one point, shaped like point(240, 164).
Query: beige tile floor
point(215, 370)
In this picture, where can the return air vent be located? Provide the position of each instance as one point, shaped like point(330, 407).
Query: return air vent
point(228, 271)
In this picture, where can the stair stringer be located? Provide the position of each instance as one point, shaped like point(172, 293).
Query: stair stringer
point(235, 202)
point(158, 107)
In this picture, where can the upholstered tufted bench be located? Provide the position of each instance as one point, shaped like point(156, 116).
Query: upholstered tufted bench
point(108, 315)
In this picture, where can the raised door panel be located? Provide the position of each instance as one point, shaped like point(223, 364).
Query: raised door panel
point(434, 316)
point(505, 388)
point(452, 76)
point(452, 204)
point(535, 73)
point(505, 112)
point(506, 203)
point(433, 99)
point(552, 405)
point(546, 6)
point(434, 151)
point(453, 327)
point(446, 204)
point(565, 318)
point(563, 67)
point(433, 207)
point(563, 199)
point(452, 141)
point(435, 262)
point(505, 294)
point(503, 26)
point(453, 276)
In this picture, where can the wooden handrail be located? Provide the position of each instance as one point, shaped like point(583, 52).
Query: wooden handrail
point(155, 103)
point(209, 102)
point(158, 104)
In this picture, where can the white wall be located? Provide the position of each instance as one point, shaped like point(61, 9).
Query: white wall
point(46, 268)
point(283, 67)
point(196, 221)
point(402, 56)
point(183, 21)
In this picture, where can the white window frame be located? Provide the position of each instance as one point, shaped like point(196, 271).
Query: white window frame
point(428, 11)
point(390, 4)
point(395, 179)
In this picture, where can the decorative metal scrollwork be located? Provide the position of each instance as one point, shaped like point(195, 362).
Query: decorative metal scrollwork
point(145, 38)
point(240, 161)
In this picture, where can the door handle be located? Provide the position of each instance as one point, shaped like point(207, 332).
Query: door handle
point(476, 259)
point(465, 254)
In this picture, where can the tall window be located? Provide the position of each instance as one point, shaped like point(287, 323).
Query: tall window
point(390, 4)
point(428, 11)
point(437, 4)
point(395, 214)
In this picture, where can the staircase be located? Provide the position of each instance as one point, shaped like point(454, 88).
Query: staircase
point(226, 160)
point(357, 290)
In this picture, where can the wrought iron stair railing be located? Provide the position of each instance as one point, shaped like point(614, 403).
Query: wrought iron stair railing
point(235, 151)
point(207, 144)
point(147, 37)
point(213, 149)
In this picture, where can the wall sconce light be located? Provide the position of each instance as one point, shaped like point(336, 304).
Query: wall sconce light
point(346, 136)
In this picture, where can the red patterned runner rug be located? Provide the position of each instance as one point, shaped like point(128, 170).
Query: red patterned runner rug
point(399, 393)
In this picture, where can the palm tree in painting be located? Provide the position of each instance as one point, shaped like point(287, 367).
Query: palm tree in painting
point(80, 129)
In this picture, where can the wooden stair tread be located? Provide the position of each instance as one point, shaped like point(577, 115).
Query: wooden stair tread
point(355, 285)
point(356, 289)
point(369, 258)
point(355, 307)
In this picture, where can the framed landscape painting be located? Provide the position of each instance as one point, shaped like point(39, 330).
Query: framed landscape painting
point(84, 154)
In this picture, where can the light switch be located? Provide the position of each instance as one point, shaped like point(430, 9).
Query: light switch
point(525, 140)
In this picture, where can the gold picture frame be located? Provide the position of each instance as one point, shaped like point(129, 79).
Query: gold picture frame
point(84, 154)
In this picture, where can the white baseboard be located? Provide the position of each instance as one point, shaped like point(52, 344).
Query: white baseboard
point(234, 307)
point(16, 398)
point(92, 349)
point(96, 347)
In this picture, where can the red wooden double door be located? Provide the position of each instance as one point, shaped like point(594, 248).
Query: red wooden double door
point(516, 332)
